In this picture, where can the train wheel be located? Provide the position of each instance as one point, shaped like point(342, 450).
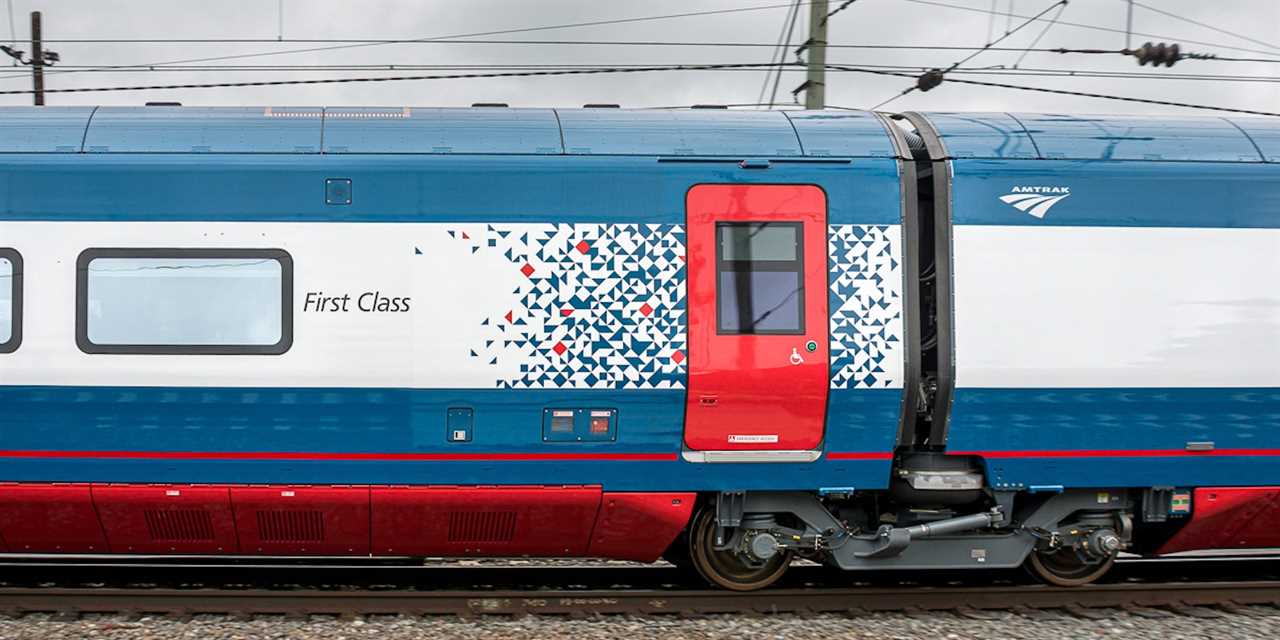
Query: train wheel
point(1065, 568)
point(730, 569)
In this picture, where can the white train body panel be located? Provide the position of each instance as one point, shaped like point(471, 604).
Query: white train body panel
point(1072, 307)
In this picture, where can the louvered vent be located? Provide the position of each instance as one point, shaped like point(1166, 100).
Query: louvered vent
point(290, 526)
point(179, 525)
point(482, 526)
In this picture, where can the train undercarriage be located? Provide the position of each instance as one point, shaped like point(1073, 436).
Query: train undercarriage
point(746, 540)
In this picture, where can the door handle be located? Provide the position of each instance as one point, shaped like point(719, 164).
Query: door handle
point(708, 401)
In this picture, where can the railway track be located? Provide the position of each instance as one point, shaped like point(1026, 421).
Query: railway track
point(1201, 588)
point(1196, 599)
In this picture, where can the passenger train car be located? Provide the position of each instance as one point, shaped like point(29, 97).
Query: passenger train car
point(728, 338)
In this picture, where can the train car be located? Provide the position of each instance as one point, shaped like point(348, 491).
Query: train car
point(922, 341)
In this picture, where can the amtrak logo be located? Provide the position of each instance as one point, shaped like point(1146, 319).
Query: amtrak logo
point(1036, 200)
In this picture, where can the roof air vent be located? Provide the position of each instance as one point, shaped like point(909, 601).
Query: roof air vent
point(710, 106)
point(600, 105)
point(490, 104)
point(164, 104)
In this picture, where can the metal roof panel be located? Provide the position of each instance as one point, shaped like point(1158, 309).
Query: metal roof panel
point(983, 135)
point(1069, 137)
point(696, 132)
point(1265, 133)
point(43, 129)
point(441, 130)
point(857, 134)
point(204, 130)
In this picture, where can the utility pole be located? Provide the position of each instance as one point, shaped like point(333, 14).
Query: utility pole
point(40, 58)
point(37, 59)
point(1128, 27)
point(815, 84)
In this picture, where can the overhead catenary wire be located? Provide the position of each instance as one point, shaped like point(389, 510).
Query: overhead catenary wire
point(923, 81)
point(1086, 94)
point(661, 44)
point(779, 53)
point(459, 76)
point(1011, 15)
point(1083, 94)
point(844, 5)
point(611, 70)
point(1061, 8)
point(1113, 75)
point(1185, 55)
point(786, 46)
point(773, 58)
point(770, 67)
point(1204, 25)
point(573, 25)
point(1060, 50)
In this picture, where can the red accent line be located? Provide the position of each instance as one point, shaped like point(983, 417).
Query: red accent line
point(1117, 453)
point(286, 455)
point(859, 455)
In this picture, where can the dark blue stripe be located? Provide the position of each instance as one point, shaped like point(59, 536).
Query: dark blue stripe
point(409, 188)
point(400, 421)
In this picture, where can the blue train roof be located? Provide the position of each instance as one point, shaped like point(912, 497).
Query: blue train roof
point(203, 130)
point(1065, 137)
point(346, 130)
point(696, 133)
point(391, 130)
point(1265, 133)
point(43, 129)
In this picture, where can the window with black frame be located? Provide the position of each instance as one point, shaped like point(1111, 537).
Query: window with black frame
point(760, 278)
point(184, 301)
point(10, 300)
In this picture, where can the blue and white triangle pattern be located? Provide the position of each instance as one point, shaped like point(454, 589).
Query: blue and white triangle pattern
point(865, 306)
point(599, 306)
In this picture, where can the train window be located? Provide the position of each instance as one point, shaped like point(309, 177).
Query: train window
point(10, 300)
point(184, 301)
point(760, 278)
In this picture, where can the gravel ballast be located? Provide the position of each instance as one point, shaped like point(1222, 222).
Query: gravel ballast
point(940, 626)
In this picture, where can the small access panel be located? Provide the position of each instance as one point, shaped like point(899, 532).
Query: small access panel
point(758, 371)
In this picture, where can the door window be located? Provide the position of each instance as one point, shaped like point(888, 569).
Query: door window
point(760, 278)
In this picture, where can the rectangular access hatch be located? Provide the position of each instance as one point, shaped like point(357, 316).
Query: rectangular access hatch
point(483, 521)
point(167, 518)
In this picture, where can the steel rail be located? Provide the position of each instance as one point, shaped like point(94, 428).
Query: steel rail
point(1172, 597)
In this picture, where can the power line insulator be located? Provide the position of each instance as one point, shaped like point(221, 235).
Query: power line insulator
point(1158, 54)
point(929, 79)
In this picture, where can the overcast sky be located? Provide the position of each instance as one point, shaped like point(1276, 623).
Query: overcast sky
point(1255, 23)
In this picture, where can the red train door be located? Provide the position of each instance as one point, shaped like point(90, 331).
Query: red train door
point(758, 372)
